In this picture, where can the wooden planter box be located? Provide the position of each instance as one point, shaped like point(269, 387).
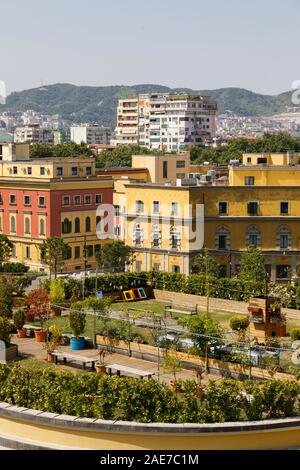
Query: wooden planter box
point(11, 352)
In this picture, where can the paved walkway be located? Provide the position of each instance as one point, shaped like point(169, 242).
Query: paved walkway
point(30, 349)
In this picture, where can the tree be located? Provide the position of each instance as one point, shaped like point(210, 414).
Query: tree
point(208, 332)
point(53, 251)
point(6, 296)
point(172, 364)
point(6, 247)
point(57, 292)
point(77, 323)
point(70, 149)
point(38, 302)
point(252, 266)
point(114, 257)
point(240, 325)
point(206, 264)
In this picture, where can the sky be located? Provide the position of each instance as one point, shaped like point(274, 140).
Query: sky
point(199, 44)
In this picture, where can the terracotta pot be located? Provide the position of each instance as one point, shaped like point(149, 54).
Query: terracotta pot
point(40, 335)
point(21, 333)
point(50, 357)
point(100, 369)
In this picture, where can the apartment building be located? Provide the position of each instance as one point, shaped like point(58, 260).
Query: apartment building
point(90, 134)
point(165, 121)
point(259, 206)
point(46, 198)
point(33, 133)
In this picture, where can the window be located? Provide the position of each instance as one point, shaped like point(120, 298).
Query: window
point(117, 211)
point(88, 224)
point(222, 270)
point(222, 207)
point(175, 268)
point(88, 199)
point(252, 208)
point(284, 208)
point(88, 171)
point(284, 241)
point(29, 170)
point(156, 236)
point(12, 200)
point(77, 252)
point(98, 198)
point(138, 266)
point(15, 170)
point(1, 199)
point(180, 176)
point(284, 237)
point(98, 221)
point(66, 226)
point(249, 180)
point(27, 225)
point(42, 171)
point(139, 206)
point(90, 251)
point(222, 244)
point(42, 227)
point(283, 271)
point(42, 201)
point(174, 208)
point(180, 164)
point(165, 169)
point(77, 200)
point(68, 253)
point(253, 240)
point(174, 239)
point(156, 267)
point(155, 207)
point(27, 252)
point(77, 225)
point(13, 224)
point(13, 251)
point(138, 235)
point(26, 200)
point(66, 200)
point(59, 171)
point(74, 171)
point(249, 159)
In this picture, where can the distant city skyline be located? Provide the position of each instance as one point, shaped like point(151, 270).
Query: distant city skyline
point(192, 44)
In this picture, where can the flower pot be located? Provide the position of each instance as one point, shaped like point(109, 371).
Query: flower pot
point(77, 344)
point(100, 369)
point(50, 357)
point(40, 335)
point(21, 333)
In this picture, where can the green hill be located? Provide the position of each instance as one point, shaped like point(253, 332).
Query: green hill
point(86, 104)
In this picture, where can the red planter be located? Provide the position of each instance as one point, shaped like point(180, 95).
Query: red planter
point(100, 369)
point(40, 335)
point(50, 357)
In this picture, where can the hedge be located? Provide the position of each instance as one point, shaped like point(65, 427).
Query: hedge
point(222, 288)
point(128, 399)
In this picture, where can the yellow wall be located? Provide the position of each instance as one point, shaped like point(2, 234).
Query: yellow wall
point(265, 176)
point(154, 163)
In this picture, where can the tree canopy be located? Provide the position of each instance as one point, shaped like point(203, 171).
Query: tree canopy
point(252, 265)
point(114, 257)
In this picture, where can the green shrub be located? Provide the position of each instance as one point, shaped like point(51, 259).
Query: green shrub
point(5, 328)
point(19, 319)
point(77, 323)
point(239, 323)
point(295, 334)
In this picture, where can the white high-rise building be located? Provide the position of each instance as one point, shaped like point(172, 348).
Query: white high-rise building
point(90, 134)
point(166, 121)
point(33, 133)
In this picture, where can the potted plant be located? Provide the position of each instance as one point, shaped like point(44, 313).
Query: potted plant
point(37, 301)
point(101, 364)
point(19, 321)
point(77, 324)
point(53, 342)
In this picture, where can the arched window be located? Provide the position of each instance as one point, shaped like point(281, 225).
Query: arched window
point(77, 225)
point(88, 224)
point(13, 224)
point(253, 236)
point(138, 235)
point(42, 227)
point(27, 225)
point(222, 238)
point(174, 238)
point(156, 236)
point(66, 226)
point(284, 237)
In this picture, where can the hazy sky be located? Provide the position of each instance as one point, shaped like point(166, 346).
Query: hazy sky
point(201, 44)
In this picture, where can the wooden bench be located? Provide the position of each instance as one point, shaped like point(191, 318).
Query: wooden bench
point(128, 370)
point(169, 309)
point(75, 357)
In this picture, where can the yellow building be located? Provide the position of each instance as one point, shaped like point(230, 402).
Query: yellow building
point(235, 216)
